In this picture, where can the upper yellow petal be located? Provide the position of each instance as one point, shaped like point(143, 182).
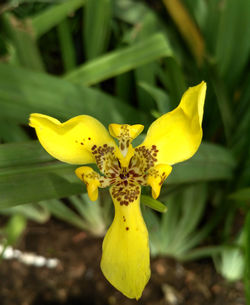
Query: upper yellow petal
point(125, 259)
point(125, 134)
point(72, 141)
point(177, 134)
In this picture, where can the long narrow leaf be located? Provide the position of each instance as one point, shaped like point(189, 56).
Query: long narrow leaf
point(211, 162)
point(96, 27)
point(233, 44)
point(120, 61)
point(37, 92)
point(51, 17)
point(20, 33)
point(67, 46)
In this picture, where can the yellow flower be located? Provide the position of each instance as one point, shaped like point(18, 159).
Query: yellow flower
point(172, 138)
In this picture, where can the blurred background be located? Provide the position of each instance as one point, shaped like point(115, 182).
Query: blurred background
point(124, 61)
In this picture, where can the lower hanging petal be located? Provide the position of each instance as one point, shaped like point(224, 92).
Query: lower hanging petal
point(91, 179)
point(156, 176)
point(125, 259)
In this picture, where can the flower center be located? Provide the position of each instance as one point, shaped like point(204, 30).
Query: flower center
point(124, 176)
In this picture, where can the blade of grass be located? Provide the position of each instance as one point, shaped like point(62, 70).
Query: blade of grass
point(232, 45)
point(29, 211)
point(66, 45)
point(187, 28)
point(146, 73)
point(61, 211)
point(96, 27)
point(160, 96)
point(123, 86)
point(26, 49)
point(174, 80)
point(91, 212)
point(225, 105)
point(201, 253)
point(120, 61)
point(193, 205)
point(46, 20)
point(247, 258)
point(15, 227)
point(217, 216)
point(130, 11)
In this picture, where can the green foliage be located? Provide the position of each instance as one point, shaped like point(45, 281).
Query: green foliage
point(174, 232)
point(123, 61)
point(120, 61)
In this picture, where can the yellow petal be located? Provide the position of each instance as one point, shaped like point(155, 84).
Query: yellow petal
point(91, 178)
point(72, 141)
point(125, 259)
point(176, 136)
point(156, 176)
point(124, 130)
point(125, 134)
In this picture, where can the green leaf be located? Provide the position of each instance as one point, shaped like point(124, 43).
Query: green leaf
point(123, 86)
point(67, 45)
point(161, 97)
point(225, 104)
point(211, 162)
point(36, 183)
point(12, 132)
point(247, 258)
point(51, 17)
point(146, 73)
point(15, 227)
point(26, 50)
point(30, 211)
point(153, 204)
point(230, 263)
point(96, 27)
point(21, 154)
point(232, 45)
point(173, 79)
point(170, 234)
point(121, 61)
point(241, 195)
point(37, 92)
point(93, 213)
point(186, 208)
point(12, 231)
point(130, 11)
point(61, 211)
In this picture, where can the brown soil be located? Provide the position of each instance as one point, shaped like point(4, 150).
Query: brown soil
point(78, 279)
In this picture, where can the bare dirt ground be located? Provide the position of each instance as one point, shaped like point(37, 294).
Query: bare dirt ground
point(78, 279)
